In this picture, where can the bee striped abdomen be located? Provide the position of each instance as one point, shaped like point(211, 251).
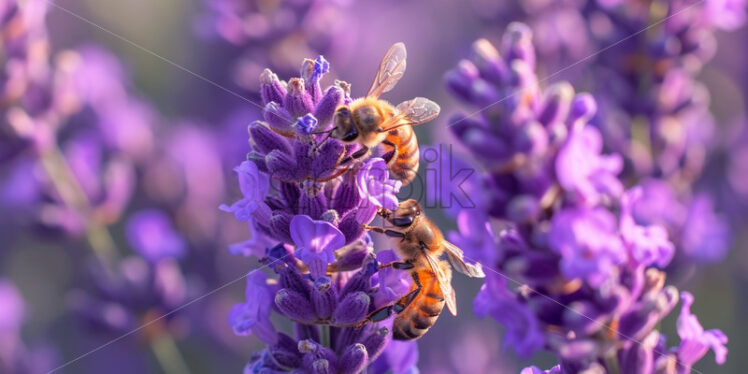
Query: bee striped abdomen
point(404, 165)
point(422, 312)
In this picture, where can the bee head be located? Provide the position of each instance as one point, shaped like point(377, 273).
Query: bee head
point(343, 127)
point(367, 118)
point(405, 214)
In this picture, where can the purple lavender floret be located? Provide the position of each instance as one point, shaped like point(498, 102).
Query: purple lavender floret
point(299, 195)
point(578, 271)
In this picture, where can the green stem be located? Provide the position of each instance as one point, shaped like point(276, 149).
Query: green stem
point(326, 336)
point(611, 362)
point(73, 196)
point(168, 355)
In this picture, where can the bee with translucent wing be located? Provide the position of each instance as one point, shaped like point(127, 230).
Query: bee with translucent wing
point(420, 245)
point(371, 121)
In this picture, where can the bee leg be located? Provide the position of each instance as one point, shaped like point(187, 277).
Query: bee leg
point(389, 157)
point(356, 155)
point(384, 213)
point(398, 265)
point(388, 232)
point(399, 305)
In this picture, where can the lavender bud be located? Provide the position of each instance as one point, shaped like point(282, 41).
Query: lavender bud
point(346, 87)
point(557, 103)
point(531, 139)
point(517, 44)
point(312, 71)
point(312, 206)
point(460, 80)
point(281, 165)
point(352, 308)
point(483, 93)
point(361, 281)
point(271, 88)
point(277, 117)
point(298, 102)
point(327, 105)
point(265, 140)
point(346, 198)
point(375, 343)
point(583, 108)
point(285, 352)
point(351, 228)
point(522, 77)
point(292, 279)
point(295, 306)
point(488, 61)
point(324, 298)
point(353, 359)
point(279, 225)
point(317, 359)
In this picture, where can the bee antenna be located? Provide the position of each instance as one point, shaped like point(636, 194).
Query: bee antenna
point(327, 132)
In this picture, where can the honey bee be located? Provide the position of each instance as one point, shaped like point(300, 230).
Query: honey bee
point(370, 121)
point(420, 245)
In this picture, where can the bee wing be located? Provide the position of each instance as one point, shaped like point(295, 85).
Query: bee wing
point(412, 112)
point(457, 260)
point(444, 283)
point(391, 69)
point(419, 110)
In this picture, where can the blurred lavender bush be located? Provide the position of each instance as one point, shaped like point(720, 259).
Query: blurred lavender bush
point(641, 61)
point(574, 272)
point(278, 34)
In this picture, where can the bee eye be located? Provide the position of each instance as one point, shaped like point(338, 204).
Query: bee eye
point(402, 221)
point(344, 128)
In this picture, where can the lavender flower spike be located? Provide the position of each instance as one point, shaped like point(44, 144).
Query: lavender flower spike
point(311, 210)
point(585, 268)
